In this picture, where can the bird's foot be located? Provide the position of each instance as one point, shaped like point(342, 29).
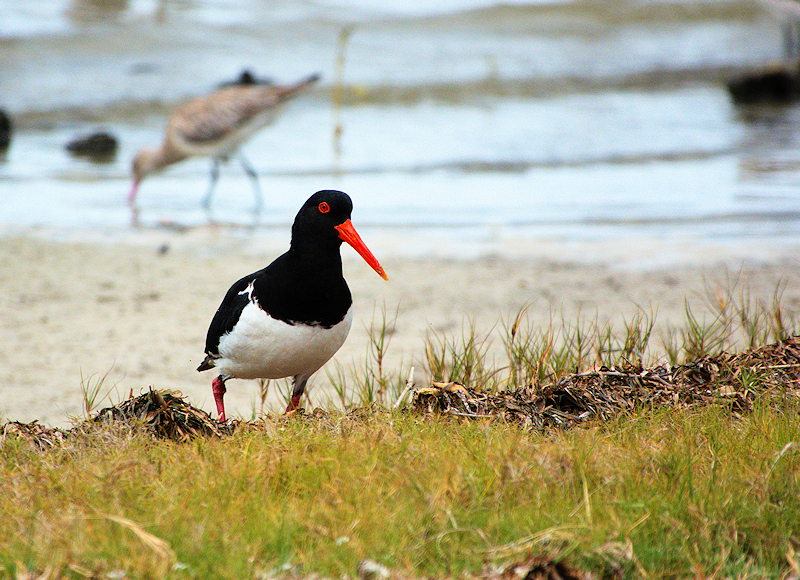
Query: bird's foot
point(292, 408)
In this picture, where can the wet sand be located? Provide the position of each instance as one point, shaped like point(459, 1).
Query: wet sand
point(134, 313)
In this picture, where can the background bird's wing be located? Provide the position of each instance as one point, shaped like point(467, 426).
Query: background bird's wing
point(213, 117)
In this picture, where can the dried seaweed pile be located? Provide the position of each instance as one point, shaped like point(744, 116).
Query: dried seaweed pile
point(41, 436)
point(733, 380)
point(165, 415)
point(540, 567)
point(161, 414)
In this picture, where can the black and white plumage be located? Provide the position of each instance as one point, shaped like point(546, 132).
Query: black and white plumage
point(289, 319)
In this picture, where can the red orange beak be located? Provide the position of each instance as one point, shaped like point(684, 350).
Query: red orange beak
point(349, 234)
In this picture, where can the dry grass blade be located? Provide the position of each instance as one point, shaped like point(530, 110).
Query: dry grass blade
point(156, 544)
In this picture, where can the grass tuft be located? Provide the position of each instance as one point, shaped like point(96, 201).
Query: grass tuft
point(372, 384)
point(90, 389)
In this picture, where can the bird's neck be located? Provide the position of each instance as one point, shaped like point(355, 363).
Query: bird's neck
point(317, 257)
point(160, 157)
point(169, 154)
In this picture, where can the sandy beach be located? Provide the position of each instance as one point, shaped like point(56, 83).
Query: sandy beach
point(134, 313)
point(574, 159)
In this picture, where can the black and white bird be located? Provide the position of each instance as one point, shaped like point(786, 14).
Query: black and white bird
point(289, 319)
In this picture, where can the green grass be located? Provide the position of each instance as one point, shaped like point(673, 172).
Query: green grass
point(659, 494)
point(702, 492)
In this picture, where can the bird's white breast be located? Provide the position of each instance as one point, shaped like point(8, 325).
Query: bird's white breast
point(261, 347)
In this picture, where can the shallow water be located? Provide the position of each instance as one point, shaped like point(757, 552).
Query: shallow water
point(468, 129)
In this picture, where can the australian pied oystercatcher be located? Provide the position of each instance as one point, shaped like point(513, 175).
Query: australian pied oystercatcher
point(288, 319)
point(215, 126)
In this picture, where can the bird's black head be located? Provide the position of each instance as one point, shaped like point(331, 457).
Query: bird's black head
point(320, 215)
point(323, 223)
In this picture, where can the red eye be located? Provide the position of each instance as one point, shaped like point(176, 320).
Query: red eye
point(324, 207)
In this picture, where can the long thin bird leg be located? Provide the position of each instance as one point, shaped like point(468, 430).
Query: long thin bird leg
point(218, 388)
point(212, 185)
point(251, 173)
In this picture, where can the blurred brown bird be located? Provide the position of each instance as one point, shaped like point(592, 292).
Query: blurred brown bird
point(215, 126)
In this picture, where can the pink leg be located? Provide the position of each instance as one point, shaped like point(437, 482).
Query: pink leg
point(294, 403)
point(297, 392)
point(218, 388)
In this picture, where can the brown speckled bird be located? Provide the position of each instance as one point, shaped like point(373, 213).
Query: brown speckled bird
point(215, 126)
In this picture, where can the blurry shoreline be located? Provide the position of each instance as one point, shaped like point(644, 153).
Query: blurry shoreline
point(553, 120)
point(456, 93)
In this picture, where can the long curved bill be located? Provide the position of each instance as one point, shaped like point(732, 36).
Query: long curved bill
point(349, 234)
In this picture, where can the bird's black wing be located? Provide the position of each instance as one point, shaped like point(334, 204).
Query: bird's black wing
point(228, 313)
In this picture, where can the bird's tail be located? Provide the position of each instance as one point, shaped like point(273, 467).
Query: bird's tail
point(207, 364)
point(300, 85)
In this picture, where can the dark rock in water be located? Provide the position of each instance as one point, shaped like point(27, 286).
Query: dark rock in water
point(245, 79)
point(99, 146)
point(5, 130)
point(774, 87)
